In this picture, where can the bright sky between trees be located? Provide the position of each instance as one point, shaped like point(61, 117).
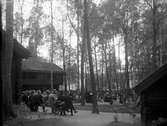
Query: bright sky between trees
point(60, 11)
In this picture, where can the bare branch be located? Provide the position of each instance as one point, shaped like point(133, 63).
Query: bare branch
point(72, 24)
point(149, 4)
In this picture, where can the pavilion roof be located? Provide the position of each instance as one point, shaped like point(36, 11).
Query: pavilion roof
point(37, 64)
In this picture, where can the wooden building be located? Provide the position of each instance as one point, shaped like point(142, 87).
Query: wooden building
point(37, 74)
point(153, 96)
point(19, 54)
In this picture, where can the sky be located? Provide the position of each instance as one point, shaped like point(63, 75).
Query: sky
point(59, 12)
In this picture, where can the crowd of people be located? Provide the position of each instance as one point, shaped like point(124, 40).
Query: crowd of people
point(60, 102)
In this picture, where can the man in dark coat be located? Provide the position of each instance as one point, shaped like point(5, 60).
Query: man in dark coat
point(67, 104)
point(35, 102)
point(24, 98)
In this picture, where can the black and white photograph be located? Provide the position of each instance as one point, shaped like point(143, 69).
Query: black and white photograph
point(83, 62)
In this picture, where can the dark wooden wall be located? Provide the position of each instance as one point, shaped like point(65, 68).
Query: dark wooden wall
point(154, 101)
point(16, 78)
point(41, 80)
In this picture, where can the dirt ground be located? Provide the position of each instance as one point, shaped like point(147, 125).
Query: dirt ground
point(110, 115)
point(61, 122)
point(106, 107)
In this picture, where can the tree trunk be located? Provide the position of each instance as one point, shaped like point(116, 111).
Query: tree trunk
point(86, 76)
point(110, 74)
point(104, 46)
point(102, 75)
point(82, 65)
point(97, 76)
point(154, 50)
point(36, 32)
point(7, 57)
point(95, 105)
point(115, 66)
point(21, 40)
point(63, 49)
point(78, 46)
point(127, 86)
point(120, 66)
point(69, 62)
point(51, 72)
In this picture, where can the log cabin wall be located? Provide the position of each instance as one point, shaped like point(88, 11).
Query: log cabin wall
point(154, 102)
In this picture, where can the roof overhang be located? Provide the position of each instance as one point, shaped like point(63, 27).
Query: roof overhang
point(20, 50)
point(36, 64)
point(43, 71)
point(151, 79)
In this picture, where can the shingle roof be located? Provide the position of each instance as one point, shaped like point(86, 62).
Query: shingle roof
point(151, 79)
point(37, 64)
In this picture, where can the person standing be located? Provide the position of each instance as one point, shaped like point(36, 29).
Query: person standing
point(52, 101)
point(44, 99)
